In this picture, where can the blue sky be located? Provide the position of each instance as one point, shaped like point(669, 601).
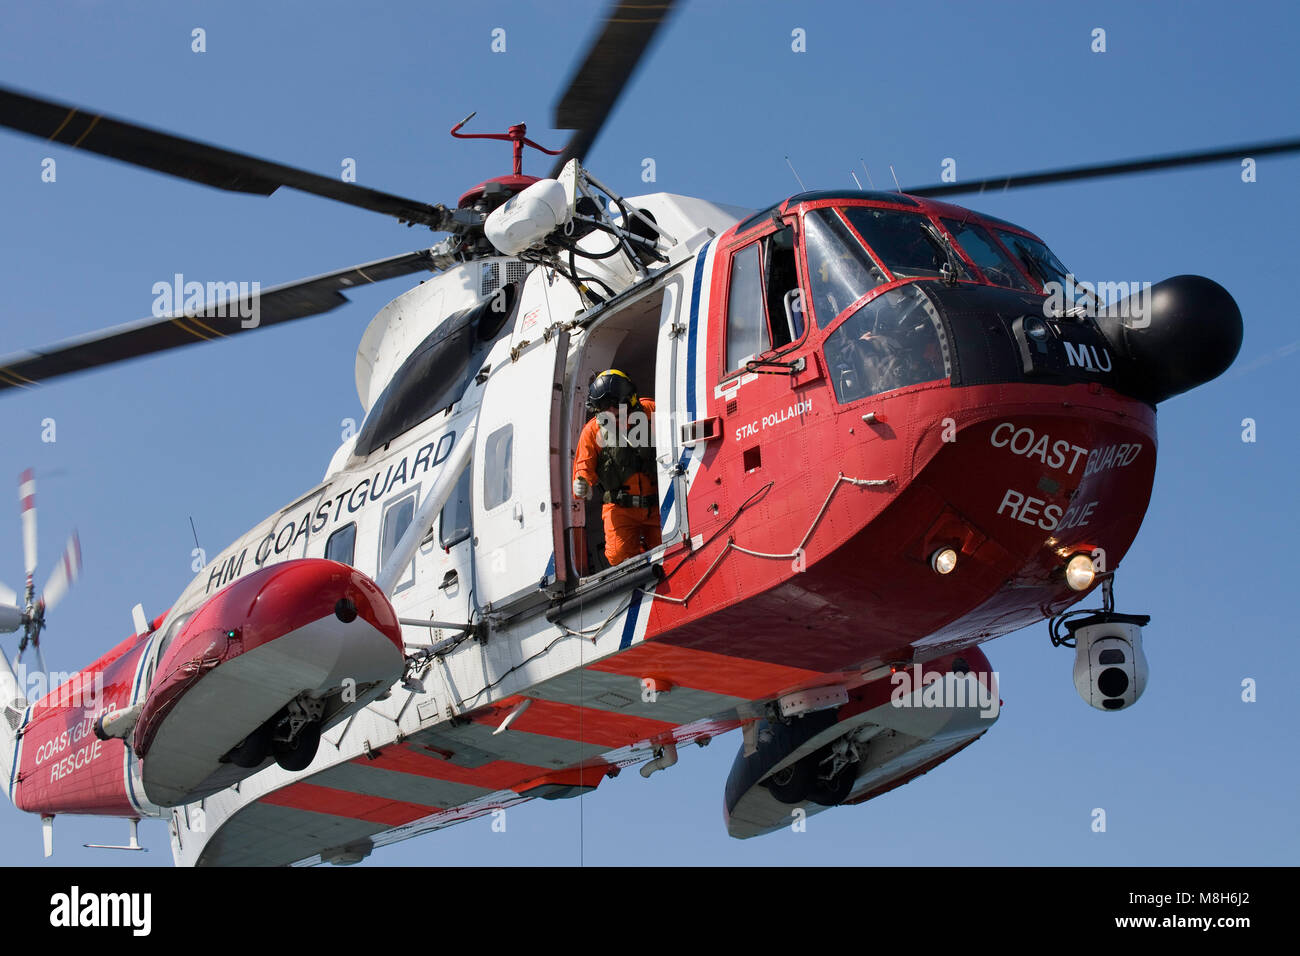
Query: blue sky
point(228, 433)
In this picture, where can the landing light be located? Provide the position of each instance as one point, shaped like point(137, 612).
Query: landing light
point(943, 561)
point(1080, 572)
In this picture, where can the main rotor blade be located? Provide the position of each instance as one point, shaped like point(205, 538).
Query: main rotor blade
point(193, 160)
point(65, 573)
point(284, 303)
point(1103, 170)
point(609, 64)
point(27, 502)
point(7, 594)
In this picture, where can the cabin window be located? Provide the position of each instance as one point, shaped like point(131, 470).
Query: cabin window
point(893, 341)
point(342, 544)
point(496, 467)
point(397, 518)
point(454, 526)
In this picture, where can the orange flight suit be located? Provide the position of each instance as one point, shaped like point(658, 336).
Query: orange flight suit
point(628, 531)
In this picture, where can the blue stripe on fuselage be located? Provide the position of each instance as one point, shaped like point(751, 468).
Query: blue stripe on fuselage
point(629, 626)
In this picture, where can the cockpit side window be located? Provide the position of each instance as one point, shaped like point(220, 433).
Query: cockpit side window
point(747, 336)
point(784, 304)
point(764, 306)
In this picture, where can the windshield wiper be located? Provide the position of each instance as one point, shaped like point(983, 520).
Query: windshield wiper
point(1032, 265)
point(1045, 278)
point(945, 249)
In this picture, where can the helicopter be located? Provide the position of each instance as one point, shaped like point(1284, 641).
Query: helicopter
point(647, 308)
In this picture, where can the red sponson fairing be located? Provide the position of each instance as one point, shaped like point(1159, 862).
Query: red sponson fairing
point(249, 614)
point(65, 768)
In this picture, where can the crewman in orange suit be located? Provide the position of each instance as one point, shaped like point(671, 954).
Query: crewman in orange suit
point(616, 451)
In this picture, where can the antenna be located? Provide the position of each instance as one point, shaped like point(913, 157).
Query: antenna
point(867, 171)
point(855, 178)
point(796, 175)
point(515, 134)
point(897, 187)
point(196, 533)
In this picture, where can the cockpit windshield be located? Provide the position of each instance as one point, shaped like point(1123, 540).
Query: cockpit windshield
point(986, 254)
point(844, 267)
point(893, 341)
point(1044, 267)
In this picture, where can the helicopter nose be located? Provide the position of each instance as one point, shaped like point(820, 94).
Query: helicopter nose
point(1180, 333)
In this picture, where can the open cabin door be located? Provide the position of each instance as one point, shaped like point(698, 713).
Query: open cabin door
point(519, 480)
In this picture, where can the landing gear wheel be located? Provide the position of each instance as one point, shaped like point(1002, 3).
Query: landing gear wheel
point(253, 749)
point(791, 784)
point(831, 793)
point(298, 753)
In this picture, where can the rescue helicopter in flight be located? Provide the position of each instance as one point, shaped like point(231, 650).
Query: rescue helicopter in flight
point(885, 430)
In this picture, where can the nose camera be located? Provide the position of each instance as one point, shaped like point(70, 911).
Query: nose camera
point(1110, 670)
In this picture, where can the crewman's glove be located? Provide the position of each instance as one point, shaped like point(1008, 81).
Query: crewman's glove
point(581, 488)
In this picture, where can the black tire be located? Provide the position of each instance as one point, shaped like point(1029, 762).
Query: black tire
point(253, 749)
point(831, 793)
point(773, 742)
point(301, 751)
point(791, 784)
